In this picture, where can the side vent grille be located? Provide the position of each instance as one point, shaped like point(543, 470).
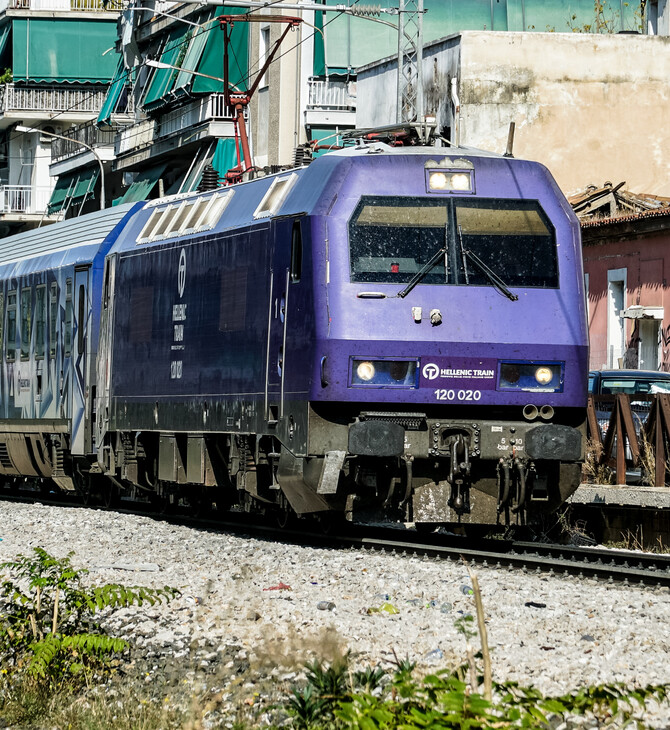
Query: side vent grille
point(5, 461)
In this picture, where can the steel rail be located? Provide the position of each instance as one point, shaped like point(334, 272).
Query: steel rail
point(620, 566)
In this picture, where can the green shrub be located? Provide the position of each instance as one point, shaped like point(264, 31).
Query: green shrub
point(48, 627)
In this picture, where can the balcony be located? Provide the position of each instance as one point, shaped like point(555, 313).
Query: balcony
point(340, 95)
point(91, 6)
point(51, 99)
point(205, 111)
point(23, 199)
point(83, 134)
point(331, 104)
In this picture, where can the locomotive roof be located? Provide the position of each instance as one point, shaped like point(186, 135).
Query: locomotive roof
point(308, 190)
point(87, 230)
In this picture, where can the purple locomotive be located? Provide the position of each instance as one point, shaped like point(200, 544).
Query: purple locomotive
point(396, 332)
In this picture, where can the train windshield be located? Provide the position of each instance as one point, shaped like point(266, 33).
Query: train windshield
point(391, 239)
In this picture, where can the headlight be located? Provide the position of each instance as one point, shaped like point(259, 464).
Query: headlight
point(365, 371)
point(544, 377)
point(445, 181)
point(384, 373)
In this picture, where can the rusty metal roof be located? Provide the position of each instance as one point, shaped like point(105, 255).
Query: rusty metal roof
point(597, 206)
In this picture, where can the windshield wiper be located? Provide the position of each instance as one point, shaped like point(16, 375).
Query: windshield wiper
point(491, 275)
point(422, 272)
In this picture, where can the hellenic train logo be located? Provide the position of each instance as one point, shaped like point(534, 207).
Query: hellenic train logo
point(430, 371)
point(181, 273)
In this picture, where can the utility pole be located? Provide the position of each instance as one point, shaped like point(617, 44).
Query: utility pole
point(410, 61)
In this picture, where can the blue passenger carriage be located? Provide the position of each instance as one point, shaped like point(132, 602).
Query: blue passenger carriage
point(50, 280)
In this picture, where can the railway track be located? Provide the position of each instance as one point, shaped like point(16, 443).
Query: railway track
point(614, 566)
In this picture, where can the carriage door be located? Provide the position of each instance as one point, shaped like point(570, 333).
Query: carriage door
point(283, 235)
point(81, 305)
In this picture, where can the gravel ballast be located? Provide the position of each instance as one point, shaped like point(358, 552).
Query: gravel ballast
point(250, 605)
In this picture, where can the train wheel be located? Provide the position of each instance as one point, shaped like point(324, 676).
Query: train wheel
point(199, 502)
point(284, 514)
point(85, 486)
point(111, 495)
point(162, 500)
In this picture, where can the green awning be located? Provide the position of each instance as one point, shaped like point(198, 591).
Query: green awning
point(4, 37)
point(193, 55)
point(143, 185)
point(319, 67)
point(211, 62)
point(55, 51)
point(86, 183)
point(65, 185)
point(225, 155)
point(163, 79)
point(119, 83)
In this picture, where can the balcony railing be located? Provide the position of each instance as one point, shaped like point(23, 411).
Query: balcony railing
point(50, 99)
point(135, 136)
point(332, 94)
point(23, 199)
point(83, 134)
point(92, 6)
point(208, 109)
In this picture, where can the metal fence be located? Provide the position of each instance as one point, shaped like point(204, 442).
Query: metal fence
point(93, 6)
point(80, 137)
point(23, 198)
point(50, 99)
point(630, 435)
point(332, 94)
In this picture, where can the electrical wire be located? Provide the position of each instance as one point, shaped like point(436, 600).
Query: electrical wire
point(244, 77)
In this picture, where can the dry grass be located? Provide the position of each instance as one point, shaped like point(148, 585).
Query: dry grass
point(593, 472)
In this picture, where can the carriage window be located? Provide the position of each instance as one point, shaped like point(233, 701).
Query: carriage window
point(11, 325)
point(53, 318)
point(26, 323)
point(68, 318)
point(40, 320)
point(81, 319)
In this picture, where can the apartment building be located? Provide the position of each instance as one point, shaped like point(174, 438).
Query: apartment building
point(166, 106)
point(56, 61)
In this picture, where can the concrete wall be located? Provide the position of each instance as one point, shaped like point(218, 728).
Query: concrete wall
point(591, 107)
point(275, 108)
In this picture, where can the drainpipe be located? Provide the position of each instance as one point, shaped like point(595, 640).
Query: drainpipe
point(457, 112)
